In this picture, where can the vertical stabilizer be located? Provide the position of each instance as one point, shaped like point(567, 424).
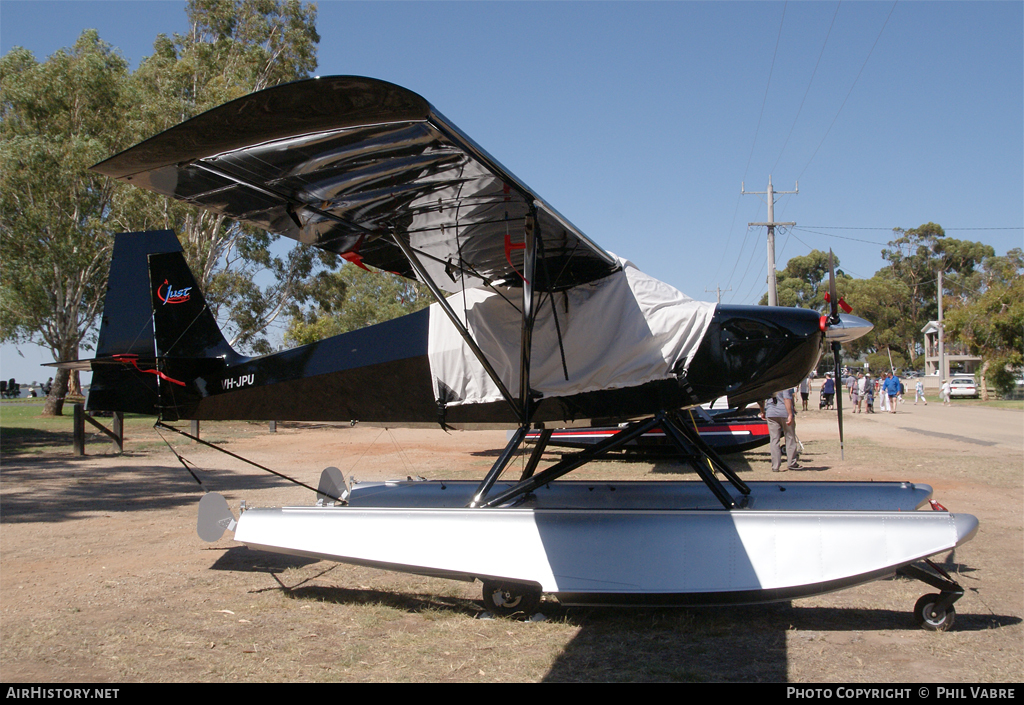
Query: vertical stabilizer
point(183, 323)
point(127, 323)
point(126, 326)
point(157, 335)
point(190, 349)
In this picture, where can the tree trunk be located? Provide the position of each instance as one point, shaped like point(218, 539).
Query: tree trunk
point(981, 379)
point(54, 404)
point(75, 384)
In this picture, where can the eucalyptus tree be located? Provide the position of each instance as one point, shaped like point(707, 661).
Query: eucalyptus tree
point(991, 324)
point(353, 298)
point(804, 281)
point(56, 119)
point(232, 48)
point(80, 106)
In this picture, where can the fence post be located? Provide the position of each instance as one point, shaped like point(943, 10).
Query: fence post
point(79, 430)
point(119, 431)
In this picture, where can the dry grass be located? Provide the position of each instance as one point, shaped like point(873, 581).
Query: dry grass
point(103, 579)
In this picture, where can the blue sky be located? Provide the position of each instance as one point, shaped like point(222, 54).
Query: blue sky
point(639, 121)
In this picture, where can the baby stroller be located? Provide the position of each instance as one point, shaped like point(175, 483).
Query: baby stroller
point(822, 401)
point(826, 401)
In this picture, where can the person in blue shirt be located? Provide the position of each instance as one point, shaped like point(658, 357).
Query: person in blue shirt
point(892, 390)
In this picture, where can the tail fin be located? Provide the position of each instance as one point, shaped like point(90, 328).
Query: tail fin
point(188, 341)
point(126, 327)
point(157, 335)
point(127, 323)
point(183, 323)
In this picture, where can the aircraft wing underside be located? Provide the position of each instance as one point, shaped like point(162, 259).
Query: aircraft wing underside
point(351, 164)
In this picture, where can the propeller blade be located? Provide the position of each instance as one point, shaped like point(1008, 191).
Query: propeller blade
point(840, 388)
point(833, 299)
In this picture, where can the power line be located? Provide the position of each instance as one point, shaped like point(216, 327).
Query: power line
point(809, 83)
point(850, 92)
point(841, 237)
point(843, 227)
point(764, 101)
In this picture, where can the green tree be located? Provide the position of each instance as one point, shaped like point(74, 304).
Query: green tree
point(991, 325)
point(354, 298)
point(915, 257)
point(888, 303)
point(81, 106)
point(232, 48)
point(57, 119)
point(804, 281)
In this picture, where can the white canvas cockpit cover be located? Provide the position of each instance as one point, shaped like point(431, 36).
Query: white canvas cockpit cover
point(621, 331)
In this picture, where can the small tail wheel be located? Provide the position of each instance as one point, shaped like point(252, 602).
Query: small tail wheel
point(507, 599)
point(931, 619)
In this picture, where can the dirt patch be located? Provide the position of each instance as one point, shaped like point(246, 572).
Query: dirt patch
point(102, 577)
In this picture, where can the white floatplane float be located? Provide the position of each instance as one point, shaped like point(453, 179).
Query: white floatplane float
point(589, 543)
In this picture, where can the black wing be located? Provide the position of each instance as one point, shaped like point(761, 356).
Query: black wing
point(347, 163)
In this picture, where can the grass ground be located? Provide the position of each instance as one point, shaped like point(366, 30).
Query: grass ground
point(103, 579)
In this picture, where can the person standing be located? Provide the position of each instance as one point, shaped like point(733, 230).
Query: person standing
point(805, 391)
point(892, 389)
point(778, 411)
point(945, 392)
point(883, 396)
point(919, 392)
point(828, 389)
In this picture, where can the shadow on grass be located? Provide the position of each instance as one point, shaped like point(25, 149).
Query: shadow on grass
point(241, 559)
point(29, 440)
point(735, 644)
point(405, 602)
point(56, 488)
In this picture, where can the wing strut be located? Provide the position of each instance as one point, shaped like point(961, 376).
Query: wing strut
point(438, 295)
point(568, 464)
point(499, 466)
point(529, 314)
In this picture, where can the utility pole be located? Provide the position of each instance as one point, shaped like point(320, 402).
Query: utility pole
point(773, 293)
point(719, 290)
point(936, 249)
point(942, 334)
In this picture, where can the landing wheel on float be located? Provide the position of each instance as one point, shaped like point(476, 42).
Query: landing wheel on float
point(510, 598)
point(930, 618)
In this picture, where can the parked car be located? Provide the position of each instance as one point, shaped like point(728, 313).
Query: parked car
point(963, 387)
